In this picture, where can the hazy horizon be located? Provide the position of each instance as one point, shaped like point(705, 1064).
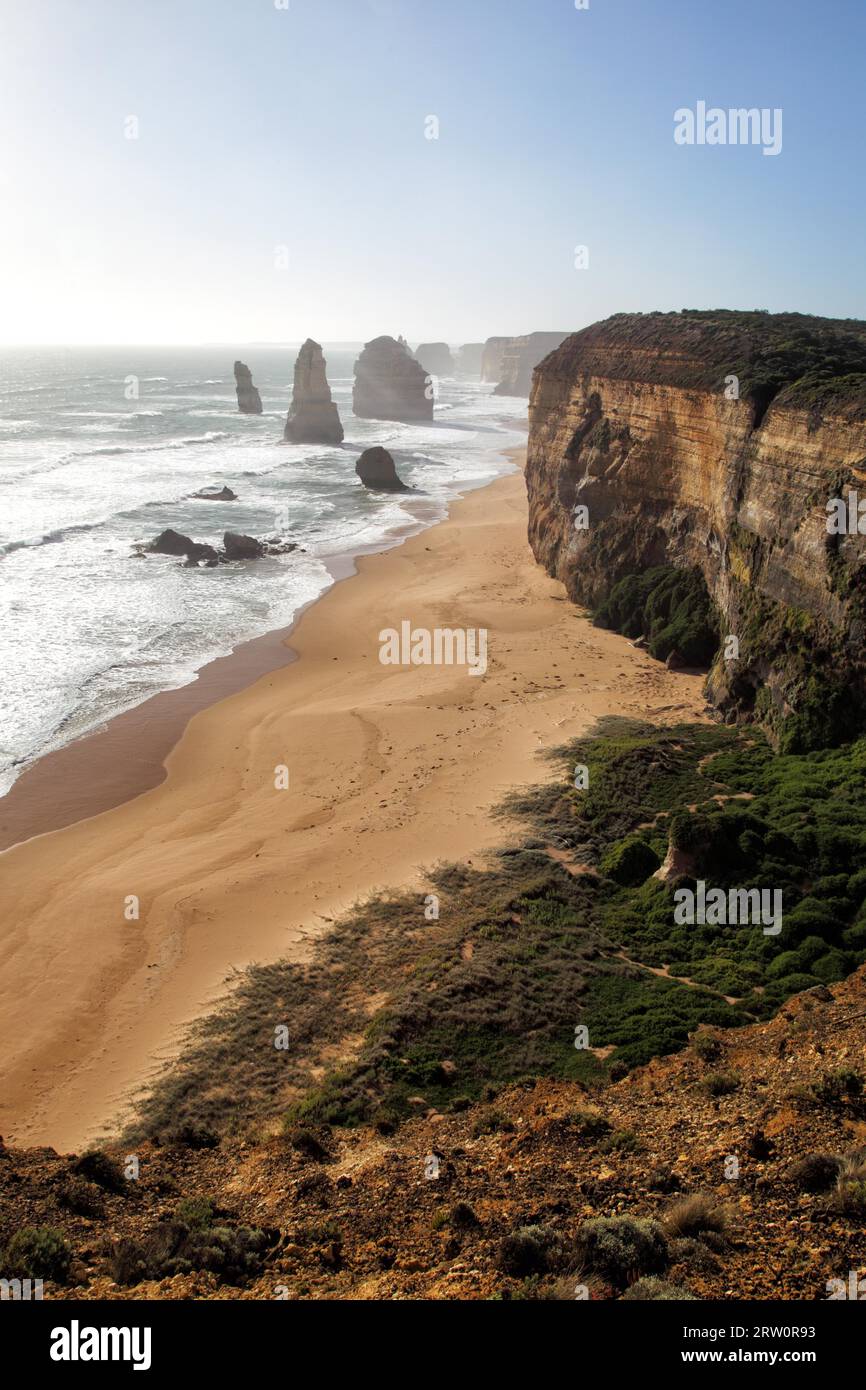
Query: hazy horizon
point(207, 172)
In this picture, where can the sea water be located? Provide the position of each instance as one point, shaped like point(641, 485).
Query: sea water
point(100, 449)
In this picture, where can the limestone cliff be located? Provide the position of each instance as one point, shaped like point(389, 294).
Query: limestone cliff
point(390, 384)
point(519, 358)
point(313, 417)
point(491, 358)
point(716, 440)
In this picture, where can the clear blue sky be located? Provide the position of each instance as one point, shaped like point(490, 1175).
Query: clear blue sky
point(305, 128)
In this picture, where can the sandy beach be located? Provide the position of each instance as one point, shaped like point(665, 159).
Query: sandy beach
point(390, 769)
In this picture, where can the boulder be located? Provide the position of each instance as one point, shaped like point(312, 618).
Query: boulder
point(216, 495)
point(313, 417)
point(249, 400)
point(390, 384)
point(173, 543)
point(238, 547)
point(376, 470)
point(435, 358)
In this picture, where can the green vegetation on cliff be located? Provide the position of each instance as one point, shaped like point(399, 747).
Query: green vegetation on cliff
point(670, 607)
point(562, 932)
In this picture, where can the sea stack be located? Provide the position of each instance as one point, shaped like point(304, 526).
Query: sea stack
point(469, 358)
point(435, 358)
point(390, 384)
point(313, 417)
point(249, 400)
point(376, 470)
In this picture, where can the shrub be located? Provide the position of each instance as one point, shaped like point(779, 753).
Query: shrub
point(693, 1215)
point(98, 1167)
point(630, 861)
point(621, 1248)
point(721, 1083)
point(814, 1172)
point(462, 1217)
point(656, 1290)
point(37, 1252)
point(305, 1142)
point(529, 1250)
point(195, 1212)
point(233, 1253)
point(706, 1045)
point(491, 1122)
point(80, 1196)
point(835, 1086)
point(192, 1136)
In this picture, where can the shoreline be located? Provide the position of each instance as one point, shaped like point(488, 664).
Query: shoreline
point(391, 769)
point(96, 772)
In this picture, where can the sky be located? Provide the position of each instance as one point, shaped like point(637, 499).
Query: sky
point(281, 183)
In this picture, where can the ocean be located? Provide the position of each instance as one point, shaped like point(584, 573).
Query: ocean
point(100, 449)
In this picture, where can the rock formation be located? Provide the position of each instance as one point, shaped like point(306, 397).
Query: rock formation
point(717, 441)
point(174, 543)
point(376, 470)
point(520, 357)
point(215, 494)
point(235, 547)
point(249, 400)
point(313, 417)
point(435, 358)
point(469, 359)
point(491, 358)
point(390, 384)
point(242, 547)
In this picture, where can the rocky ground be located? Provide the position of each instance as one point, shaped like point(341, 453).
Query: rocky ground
point(359, 1215)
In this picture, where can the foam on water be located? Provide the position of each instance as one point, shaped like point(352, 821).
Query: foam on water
point(86, 628)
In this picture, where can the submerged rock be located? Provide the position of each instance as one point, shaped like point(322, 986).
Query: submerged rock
point(249, 400)
point(216, 495)
point(390, 384)
point(313, 417)
point(376, 470)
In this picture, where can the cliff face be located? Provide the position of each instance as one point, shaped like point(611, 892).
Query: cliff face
point(313, 417)
point(390, 384)
point(491, 358)
point(631, 419)
point(519, 358)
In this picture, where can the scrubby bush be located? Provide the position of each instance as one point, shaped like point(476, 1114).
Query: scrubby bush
point(721, 1083)
point(814, 1172)
point(195, 1212)
point(621, 1248)
point(37, 1252)
point(656, 1290)
point(529, 1250)
point(100, 1168)
point(694, 1215)
point(630, 861)
point(233, 1253)
point(80, 1196)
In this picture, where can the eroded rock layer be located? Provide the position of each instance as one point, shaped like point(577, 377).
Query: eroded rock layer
point(716, 440)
